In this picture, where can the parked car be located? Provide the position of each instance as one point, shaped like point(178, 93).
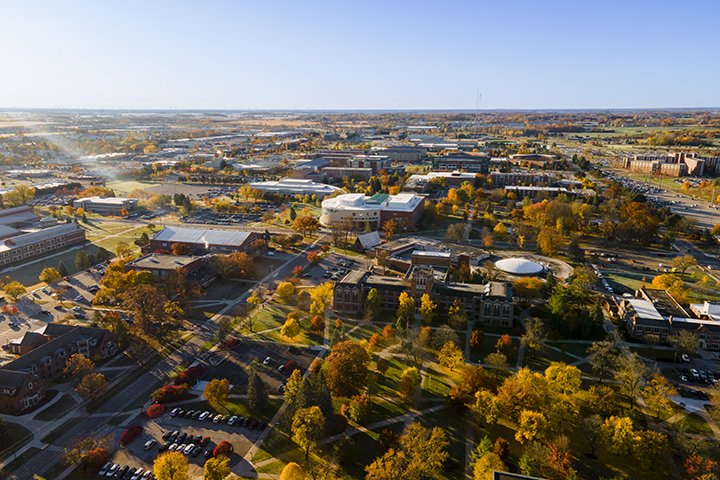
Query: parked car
point(181, 437)
point(232, 420)
point(112, 470)
point(288, 367)
point(123, 471)
point(138, 473)
point(189, 449)
point(204, 415)
point(181, 448)
point(104, 469)
point(149, 444)
point(217, 418)
point(685, 357)
point(173, 447)
point(196, 451)
point(225, 419)
point(268, 361)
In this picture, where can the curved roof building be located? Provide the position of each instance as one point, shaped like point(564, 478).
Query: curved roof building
point(519, 266)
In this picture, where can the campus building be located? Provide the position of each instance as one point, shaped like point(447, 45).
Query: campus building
point(422, 182)
point(676, 165)
point(163, 266)
point(477, 163)
point(485, 304)
point(37, 242)
point(359, 210)
point(653, 315)
point(202, 240)
point(43, 355)
point(107, 205)
point(294, 186)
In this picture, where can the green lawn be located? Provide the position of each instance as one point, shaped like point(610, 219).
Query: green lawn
point(696, 424)
point(121, 187)
point(541, 360)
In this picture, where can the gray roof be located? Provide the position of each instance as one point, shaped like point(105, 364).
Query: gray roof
point(162, 261)
point(39, 235)
point(12, 379)
point(206, 237)
point(21, 214)
point(369, 240)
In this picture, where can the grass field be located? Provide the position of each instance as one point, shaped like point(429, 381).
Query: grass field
point(28, 272)
point(125, 187)
point(58, 409)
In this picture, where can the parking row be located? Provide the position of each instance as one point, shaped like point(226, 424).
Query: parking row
point(218, 418)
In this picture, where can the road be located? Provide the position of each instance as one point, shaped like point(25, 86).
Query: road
point(47, 458)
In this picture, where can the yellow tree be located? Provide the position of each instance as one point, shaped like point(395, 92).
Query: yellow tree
point(427, 308)
point(292, 471)
point(531, 426)
point(450, 355)
point(217, 391)
point(409, 382)
point(217, 468)
point(285, 291)
point(91, 384)
point(171, 466)
point(291, 328)
point(308, 426)
point(389, 227)
point(405, 310)
point(320, 298)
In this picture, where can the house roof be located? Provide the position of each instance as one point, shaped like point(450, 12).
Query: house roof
point(369, 240)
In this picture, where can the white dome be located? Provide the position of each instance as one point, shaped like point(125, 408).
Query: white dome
point(519, 266)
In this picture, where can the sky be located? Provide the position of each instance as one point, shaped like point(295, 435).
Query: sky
point(363, 54)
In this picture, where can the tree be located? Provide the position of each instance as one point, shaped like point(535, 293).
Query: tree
point(603, 400)
point(427, 309)
point(698, 467)
point(476, 338)
point(487, 465)
point(91, 384)
point(147, 304)
point(563, 378)
point(496, 360)
point(82, 261)
point(78, 365)
point(359, 406)
point(306, 225)
point(236, 265)
point(670, 282)
point(603, 357)
point(217, 391)
point(500, 230)
point(451, 356)
point(15, 290)
point(684, 341)
point(457, 316)
point(91, 450)
point(49, 275)
point(257, 394)
point(389, 227)
point(285, 290)
point(420, 454)
point(62, 269)
point(409, 382)
point(657, 396)
point(372, 305)
point(630, 374)
point(528, 287)
point(531, 426)
point(320, 298)
point(124, 252)
point(347, 368)
point(291, 328)
point(618, 434)
point(405, 310)
point(649, 446)
point(534, 336)
point(683, 262)
point(292, 471)
point(217, 468)
point(292, 387)
point(171, 466)
point(308, 425)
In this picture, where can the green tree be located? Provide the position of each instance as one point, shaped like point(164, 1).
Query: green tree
point(630, 375)
point(308, 425)
point(372, 305)
point(531, 426)
point(487, 465)
point(257, 394)
point(684, 341)
point(82, 261)
point(534, 336)
point(49, 275)
point(62, 269)
point(171, 466)
point(683, 262)
point(457, 316)
point(563, 378)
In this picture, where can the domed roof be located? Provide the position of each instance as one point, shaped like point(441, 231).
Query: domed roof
point(519, 266)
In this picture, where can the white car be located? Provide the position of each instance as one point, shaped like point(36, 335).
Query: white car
point(137, 474)
point(174, 411)
point(267, 361)
point(204, 415)
point(232, 420)
point(149, 444)
point(173, 447)
point(217, 418)
point(685, 357)
point(104, 469)
point(189, 449)
point(112, 470)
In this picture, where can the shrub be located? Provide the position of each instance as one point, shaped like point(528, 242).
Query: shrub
point(155, 410)
point(96, 457)
point(190, 375)
point(230, 343)
point(223, 448)
point(130, 434)
point(317, 323)
point(169, 393)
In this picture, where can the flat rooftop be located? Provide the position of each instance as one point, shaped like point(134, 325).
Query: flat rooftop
point(160, 261)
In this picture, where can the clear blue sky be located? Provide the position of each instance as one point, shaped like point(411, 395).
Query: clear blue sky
point(391, 54)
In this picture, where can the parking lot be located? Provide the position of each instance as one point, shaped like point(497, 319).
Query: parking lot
point(183, 430)
point(233, 363)
point(331, 267)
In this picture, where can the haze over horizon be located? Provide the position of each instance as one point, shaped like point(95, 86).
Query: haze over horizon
point(225, 55)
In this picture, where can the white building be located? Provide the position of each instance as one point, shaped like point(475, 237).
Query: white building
point(106, 205)
point(358, 209)
point(295, 186)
